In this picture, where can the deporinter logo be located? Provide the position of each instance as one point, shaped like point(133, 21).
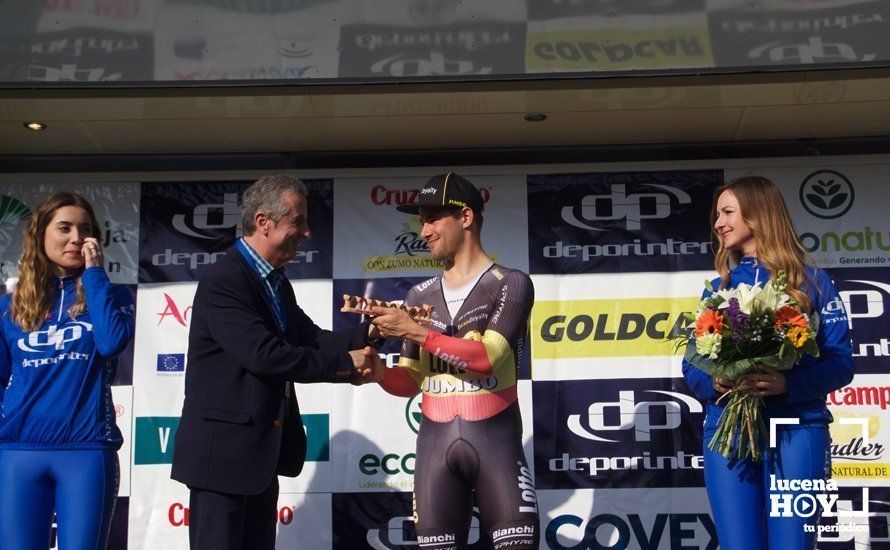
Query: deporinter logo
point(427, 64)
point(643, 417)
point(54, 337)
point(605, 328)
point(618, 206)
point(211, 217)
point(630, 212)
point(295, 46)
point(860, 304)
point(794, 51)
point(67, 356)
point(602, 465)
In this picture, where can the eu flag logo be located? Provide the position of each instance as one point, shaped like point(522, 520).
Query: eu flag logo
point(171, 362)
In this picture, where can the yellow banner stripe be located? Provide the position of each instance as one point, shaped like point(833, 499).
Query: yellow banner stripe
point(608, 49)
point(854, 470)
point(607, 328)
point(378, 264)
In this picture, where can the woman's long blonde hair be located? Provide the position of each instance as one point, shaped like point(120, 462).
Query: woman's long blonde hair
point(33, 294)
point(778, 248)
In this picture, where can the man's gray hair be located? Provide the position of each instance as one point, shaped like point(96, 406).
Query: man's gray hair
point(264, 195)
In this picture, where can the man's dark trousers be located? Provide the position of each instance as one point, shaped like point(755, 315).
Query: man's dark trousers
point(226, 521)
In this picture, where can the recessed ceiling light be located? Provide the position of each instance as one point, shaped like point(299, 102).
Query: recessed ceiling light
point(34, 125)
point(535, 117)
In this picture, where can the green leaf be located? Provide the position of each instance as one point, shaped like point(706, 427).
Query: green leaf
point(837, 200)
point(817, 200)
point(709, 286)
point(783, 351)
point(778, 363)
point(819, 190)
point(814, 322)
point(834, 189)
point(811, 347)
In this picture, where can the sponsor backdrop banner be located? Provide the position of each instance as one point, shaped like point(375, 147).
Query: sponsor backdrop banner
point(434, 49)
point(620, 222)
point(374, 240)
point(839, 211)
point(638, 518)
point(188, 226)
point(586, 326)
point(866, 296)
point(610, 429)
point(117, 210)
point(137, 41)
point(617, 433)
point(602, 43)
point(202, 41)
point(797, 33)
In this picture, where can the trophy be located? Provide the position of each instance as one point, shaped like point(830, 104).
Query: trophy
point(422, 315)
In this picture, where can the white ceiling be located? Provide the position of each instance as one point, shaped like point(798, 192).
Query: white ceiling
point(400, 117)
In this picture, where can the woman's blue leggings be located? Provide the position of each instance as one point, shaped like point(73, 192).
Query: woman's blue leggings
point(739, 490)
point(80, 484)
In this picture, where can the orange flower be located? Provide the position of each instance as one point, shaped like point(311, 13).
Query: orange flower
point(787, 316)
point(709, 322)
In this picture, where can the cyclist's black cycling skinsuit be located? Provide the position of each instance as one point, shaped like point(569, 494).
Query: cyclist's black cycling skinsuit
point(471, 432)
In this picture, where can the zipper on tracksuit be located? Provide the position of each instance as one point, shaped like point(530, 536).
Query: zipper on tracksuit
point(61, 299)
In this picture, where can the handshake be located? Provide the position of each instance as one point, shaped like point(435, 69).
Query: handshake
point(390, 321)
point(367, 366)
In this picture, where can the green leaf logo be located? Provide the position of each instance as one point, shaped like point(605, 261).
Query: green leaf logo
point(12, 210)
point(413, 414)
point(826, 194)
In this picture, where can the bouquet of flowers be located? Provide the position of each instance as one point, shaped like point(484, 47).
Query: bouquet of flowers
point(736, 329)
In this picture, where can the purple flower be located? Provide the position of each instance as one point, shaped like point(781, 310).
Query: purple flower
point(738, 321)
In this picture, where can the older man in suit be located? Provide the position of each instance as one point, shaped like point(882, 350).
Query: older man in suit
point(248, 342)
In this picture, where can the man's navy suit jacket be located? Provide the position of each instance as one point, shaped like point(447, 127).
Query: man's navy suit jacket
point(240, 426)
